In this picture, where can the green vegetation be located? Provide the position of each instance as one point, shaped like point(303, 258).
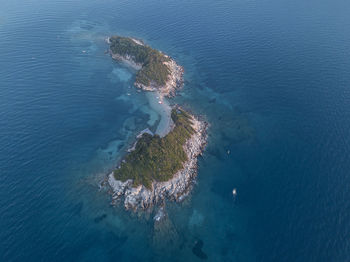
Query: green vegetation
point(156, 158)
point(153, 69)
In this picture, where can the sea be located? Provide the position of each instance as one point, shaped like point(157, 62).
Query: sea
point(272, 79)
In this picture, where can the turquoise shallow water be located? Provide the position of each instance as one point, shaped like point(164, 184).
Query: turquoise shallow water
point(272, 79)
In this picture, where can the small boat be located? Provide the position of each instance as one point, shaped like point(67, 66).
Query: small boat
point(234, 192)
point(160, 102)
point(228, 152)
point(83, 51)
point(128, 94)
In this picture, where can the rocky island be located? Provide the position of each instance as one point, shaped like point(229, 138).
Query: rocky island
point(156, 168)
point(156, 71)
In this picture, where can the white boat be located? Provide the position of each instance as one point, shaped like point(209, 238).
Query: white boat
point(234, 192)
point(160, 102)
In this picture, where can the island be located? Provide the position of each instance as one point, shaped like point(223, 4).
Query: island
point(156, 168)
point(155, 70)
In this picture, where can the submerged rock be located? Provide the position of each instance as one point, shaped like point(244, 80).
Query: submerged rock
point(159, 215)
point(100, 218)
point(165, 237)
point(197, 250)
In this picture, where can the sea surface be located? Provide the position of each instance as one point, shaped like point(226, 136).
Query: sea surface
point(272, 78)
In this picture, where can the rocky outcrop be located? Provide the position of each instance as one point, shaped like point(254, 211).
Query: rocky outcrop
point(139, 198)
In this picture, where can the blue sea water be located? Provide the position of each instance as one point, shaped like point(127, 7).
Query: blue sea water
point(271, 77)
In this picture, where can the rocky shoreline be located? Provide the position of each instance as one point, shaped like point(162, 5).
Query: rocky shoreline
point(141, 198)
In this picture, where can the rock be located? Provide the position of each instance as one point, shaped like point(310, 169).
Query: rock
point(100, 218)
point(159, 215)
point(197, 250)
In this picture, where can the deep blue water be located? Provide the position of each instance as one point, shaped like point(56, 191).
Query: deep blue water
point(272, 78)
